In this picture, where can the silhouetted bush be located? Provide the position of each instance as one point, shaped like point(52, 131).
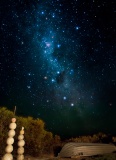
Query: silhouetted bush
point(37, 140)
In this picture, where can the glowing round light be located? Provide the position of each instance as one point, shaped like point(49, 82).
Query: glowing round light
point(20, 137)
point(21, 143)
point(13, 120)
point(12, 125)
point(10, 141)
point(9, 149)
point(11, 133)
point(20, 150)
point(7, 156)
point(20, 157)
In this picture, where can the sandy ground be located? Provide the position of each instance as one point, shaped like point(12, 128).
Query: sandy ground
point(111, 156)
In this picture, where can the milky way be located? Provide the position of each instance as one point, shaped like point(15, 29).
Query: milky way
point(58, 63)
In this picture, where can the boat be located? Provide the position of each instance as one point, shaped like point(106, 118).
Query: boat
point(74, 150)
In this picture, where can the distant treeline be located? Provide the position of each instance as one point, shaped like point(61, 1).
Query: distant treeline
point(96, 138)
point(38, 141)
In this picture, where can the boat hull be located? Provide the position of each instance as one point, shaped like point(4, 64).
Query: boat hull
point(86, 149)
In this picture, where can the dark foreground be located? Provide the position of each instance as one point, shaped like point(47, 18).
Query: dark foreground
point(111, 156)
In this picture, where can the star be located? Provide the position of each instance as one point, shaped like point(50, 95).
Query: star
point(64, 98)
point(53, 80)
point(77, 28)
point(110, 104)
point(28, 87)
point(58, 45)
point(53, 15)
point(72, 104)
point(45, 77)
point(29, 74)
point(42, 12)
point(48, 44)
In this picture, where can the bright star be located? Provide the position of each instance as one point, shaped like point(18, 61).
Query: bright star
point(53, 80)
point(77, 28)
point(72, 104)
point(64, 98)
point(58, 45)
point(53, 15)
point(42, 12)
point(45, 77)
point(48, 44)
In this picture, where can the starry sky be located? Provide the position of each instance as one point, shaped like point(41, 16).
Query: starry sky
point(58, 63)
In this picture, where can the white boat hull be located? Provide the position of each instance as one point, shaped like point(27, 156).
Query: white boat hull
point(86, 149)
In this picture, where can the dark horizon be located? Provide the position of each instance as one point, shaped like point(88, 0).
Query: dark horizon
point(72, 131)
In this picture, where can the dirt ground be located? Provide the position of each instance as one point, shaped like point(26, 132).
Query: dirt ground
point(111, 156)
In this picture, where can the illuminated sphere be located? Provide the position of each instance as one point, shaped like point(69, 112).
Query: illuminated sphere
point(9, 148)
point(21, 143)
point(11, 133)
point(13, 120)
point(12, 125)
point(22, 132)
point(10, 140)
point(20, 150)
point(7, 156)
point(20, 157)
point(20, 137)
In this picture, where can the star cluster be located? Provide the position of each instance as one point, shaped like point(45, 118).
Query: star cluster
point(58, 63)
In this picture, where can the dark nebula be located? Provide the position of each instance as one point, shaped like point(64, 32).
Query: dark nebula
point(60, 77)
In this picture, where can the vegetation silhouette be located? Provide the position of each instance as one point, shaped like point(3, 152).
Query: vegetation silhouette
point(39, 141)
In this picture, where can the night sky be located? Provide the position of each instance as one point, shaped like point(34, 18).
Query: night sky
point(58, 63)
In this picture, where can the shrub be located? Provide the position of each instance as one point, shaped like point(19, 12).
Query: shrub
point(37, 140)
